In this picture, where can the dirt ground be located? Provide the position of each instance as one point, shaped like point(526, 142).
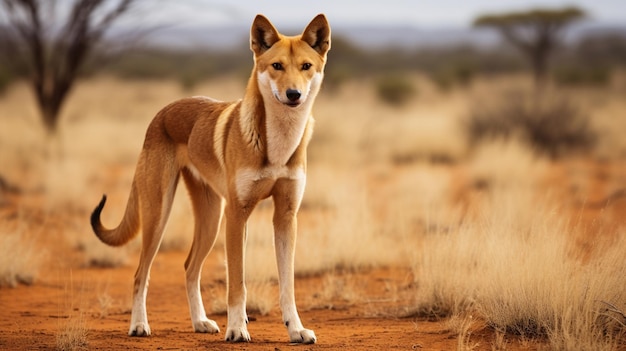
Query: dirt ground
point(97, 300)
point(33, 316)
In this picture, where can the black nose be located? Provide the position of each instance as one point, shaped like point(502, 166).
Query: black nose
point(293, 95)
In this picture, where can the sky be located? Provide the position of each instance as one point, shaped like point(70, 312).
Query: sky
point(188, 23)
point(423, 14)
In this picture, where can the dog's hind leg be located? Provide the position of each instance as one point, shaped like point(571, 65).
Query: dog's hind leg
point(208, 208)
point(156, 179)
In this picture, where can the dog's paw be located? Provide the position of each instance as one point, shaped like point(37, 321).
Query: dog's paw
point(206, 326)
point(237, 334)
point(304, 336)
point(139, 329)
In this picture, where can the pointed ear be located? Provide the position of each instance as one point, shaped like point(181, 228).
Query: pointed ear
point(262, 35)
point(317, 34)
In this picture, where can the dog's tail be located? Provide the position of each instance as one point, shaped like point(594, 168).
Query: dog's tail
point(126, 230)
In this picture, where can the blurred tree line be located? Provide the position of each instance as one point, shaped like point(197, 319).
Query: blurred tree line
point(52, 63)
point(589, 60)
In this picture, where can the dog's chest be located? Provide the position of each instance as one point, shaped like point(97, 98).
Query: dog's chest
point(256, 184)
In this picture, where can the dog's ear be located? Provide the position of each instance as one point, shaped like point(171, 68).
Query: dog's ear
point(317, 34)
point(262, 35)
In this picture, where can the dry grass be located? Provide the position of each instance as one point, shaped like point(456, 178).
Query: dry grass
point(515, 265)
point(20, 257)
point(73, 330)
point(262, 297)
point(369, 132)
point(21, 147)
point(73, 334)
point(463, 326)
point(335, 290)
point(344, 235)
point(105, 302)
point(100, 255)
point(505, 163)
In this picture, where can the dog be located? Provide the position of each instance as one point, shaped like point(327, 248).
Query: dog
point(231, 155)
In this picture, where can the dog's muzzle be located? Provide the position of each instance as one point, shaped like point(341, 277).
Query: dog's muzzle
point(293, 97)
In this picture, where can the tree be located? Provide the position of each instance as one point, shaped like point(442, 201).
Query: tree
point(536, 33)
point(52, 54)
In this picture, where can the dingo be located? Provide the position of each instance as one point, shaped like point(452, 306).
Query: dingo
point(231, 155)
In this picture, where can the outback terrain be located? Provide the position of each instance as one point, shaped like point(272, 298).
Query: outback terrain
point(412, 235)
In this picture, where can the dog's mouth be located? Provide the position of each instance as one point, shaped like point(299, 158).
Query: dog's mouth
point(292, 103)
point(289, 103)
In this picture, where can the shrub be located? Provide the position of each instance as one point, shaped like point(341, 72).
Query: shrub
point(555, 127)
point(394, 90)
point(5, 80)
point(582, 76)
point(336, 76)
point(451, 75)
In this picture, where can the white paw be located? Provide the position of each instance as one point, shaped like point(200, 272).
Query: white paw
point(237, 334)
point(304, 336)
point(139, 329)
point(206, 326)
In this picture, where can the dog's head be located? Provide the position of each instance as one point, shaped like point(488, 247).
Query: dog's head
point(290, 68)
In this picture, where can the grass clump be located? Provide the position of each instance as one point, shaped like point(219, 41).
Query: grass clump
point(73, 335)
point(19, 258)
point(73, 331)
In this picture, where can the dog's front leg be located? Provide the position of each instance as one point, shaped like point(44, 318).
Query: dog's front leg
point(287, 200)
point(236, 233)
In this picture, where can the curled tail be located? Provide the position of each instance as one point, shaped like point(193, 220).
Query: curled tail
point(126, 230)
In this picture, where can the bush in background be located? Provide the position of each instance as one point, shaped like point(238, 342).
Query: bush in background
point(598, 76)
point(395, 89)
point(556, 127)
point(5, 80)
point(455, 74)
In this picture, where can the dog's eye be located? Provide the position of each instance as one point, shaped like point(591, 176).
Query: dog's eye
point(277, 66)
point(306, 66)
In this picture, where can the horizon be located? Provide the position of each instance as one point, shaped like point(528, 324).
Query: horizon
point(373, 36)
point(354, 12)
point(406, 23)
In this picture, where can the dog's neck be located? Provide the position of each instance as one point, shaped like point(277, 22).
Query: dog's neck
point(273, 127)
point(285, 127)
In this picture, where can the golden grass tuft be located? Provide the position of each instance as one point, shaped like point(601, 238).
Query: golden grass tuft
point(73, 330)
point(73, 334)
point(20, 257)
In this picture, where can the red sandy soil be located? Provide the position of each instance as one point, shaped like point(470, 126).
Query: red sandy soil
point(65, 292)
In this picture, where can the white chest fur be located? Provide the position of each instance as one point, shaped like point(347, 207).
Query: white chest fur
point(284, 130)
point(252, 182)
